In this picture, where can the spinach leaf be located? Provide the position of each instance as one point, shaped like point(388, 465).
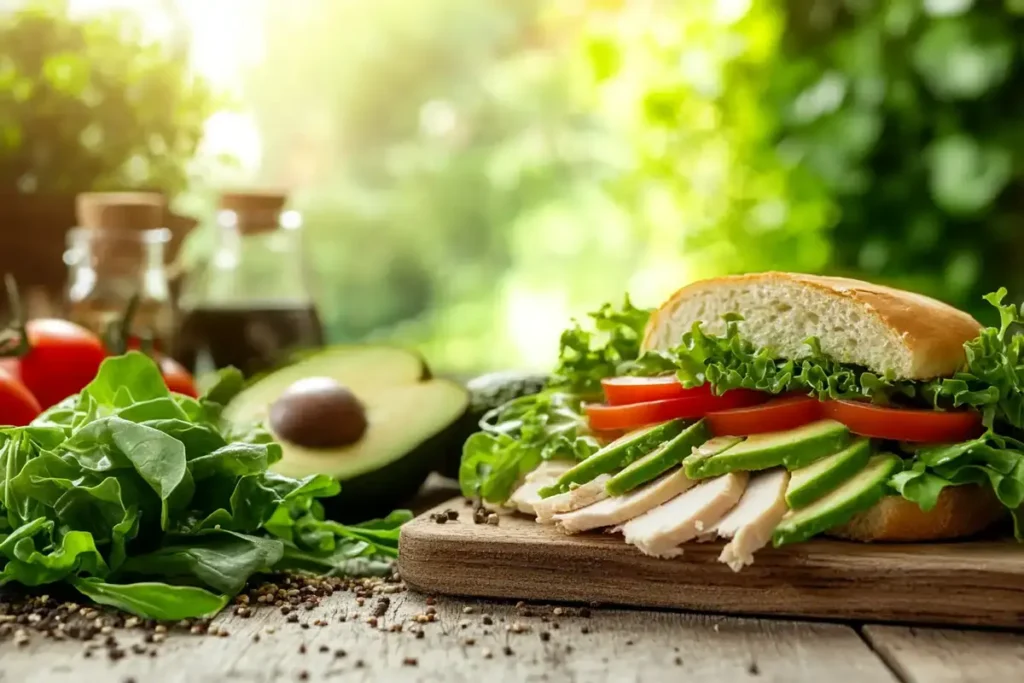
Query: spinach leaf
point(227, 383)
point(222, 560)
point(111, 443)
point(198, 439)
point(236, 459)
point(153, 600)
point(124, 380)
point(165, 408)
point(31, 564)
point(16, 452)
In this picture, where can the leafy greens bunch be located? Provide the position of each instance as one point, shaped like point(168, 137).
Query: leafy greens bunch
point(517, 436)
point(147, 501)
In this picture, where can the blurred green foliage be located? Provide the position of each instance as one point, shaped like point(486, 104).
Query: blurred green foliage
point(445, 158)
point(473, 172)
point(910, 113)
point(88, 104)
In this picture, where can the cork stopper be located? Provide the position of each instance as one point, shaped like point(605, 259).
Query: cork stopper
point(120, 210)
point(255, 211)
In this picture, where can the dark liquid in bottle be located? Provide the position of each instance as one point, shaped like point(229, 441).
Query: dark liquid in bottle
point(253, 339)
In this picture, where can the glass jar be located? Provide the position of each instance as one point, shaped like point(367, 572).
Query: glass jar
point(250, 304)
point(117, 253)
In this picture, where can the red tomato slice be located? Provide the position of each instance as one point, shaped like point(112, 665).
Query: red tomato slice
point(603, 417)
point(625, 390)
point(903, 424)
point(18, 406)
point(606, 438)
point(774, 416)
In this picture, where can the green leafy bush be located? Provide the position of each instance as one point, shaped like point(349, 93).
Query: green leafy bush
point(90, 104)
point(909, 114)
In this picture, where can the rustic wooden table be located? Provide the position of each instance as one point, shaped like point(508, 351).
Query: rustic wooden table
point(476, 640)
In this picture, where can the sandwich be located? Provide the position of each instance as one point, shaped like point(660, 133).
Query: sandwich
point(767, 409)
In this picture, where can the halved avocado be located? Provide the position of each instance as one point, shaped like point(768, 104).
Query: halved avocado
point(407, 417)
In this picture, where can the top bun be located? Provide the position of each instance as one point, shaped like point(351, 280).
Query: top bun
point(880, 328)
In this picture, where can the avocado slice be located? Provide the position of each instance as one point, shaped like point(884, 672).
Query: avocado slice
point(793, 448)
point(619, 453)
point(859, 493)
point(810, 483)
point(660, 460)
point(408, 417)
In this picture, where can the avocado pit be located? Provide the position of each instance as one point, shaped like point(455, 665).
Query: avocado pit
point(318, 412)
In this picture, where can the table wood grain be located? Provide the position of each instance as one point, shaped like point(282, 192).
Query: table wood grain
point(980, 583)
point(945, 656)
point(609, 645)
point(460, 645)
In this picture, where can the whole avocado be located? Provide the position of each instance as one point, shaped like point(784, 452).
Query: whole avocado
point(486, 392)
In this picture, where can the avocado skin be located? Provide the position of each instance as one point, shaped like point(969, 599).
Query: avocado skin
point(660, 460)
point(376, 493)
point(486, 392)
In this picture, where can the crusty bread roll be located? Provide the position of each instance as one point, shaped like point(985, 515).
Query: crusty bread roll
point(880, 328)
point(960, 511)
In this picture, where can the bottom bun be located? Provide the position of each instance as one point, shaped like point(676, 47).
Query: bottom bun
point(960, 511)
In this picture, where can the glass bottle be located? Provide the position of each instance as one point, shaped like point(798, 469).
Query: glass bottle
point(114, 254)
point(251, 304)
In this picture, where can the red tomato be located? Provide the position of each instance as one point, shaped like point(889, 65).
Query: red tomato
point(626, 390)
point(177, 377)
point(774, 416)
point(63, 357)
point(903, 424)
point(18, 406)
point(602, 417)
point(10, 366)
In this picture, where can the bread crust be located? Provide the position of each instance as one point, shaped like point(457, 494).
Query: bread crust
point(933, 332)
point(960, 511)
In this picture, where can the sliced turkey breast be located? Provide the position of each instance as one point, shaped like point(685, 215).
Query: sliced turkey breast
point(574, 499)
point(751, 522)
point(616, 510)
point(660, 531)
point(524, 497)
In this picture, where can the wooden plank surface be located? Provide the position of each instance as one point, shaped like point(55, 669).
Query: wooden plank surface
point(977, 583)
point(545, 644)
point(928, 655)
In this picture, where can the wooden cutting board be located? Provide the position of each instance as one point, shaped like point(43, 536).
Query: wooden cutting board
point(972, 583)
